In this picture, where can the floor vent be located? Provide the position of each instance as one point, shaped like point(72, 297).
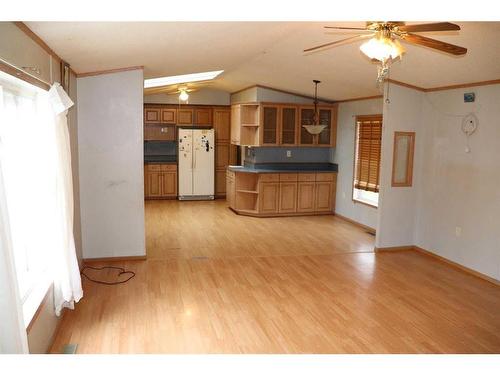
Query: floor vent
point(69, 349)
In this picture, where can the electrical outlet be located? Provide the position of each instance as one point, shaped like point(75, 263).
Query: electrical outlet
point(458, 231)
point(288, 153)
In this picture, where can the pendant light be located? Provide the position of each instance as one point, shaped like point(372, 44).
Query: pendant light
point(316, 128)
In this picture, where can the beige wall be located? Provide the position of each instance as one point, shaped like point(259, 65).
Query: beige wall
point(203, 96)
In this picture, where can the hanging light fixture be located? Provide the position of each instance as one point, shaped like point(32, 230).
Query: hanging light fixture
point(183, 96)
point(316, 128)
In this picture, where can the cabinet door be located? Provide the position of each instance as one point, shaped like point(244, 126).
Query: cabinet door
point(269, 197)
point(169, 184)
point(230, 188)
point(154, 184)
point(325, 118)
point(168, 115)
point(235, 124)
point(152, 115)
point(306, 118)
point(220, 182)
point(154, 132)
point(305, 196)
point(288, 197)
point(222, 124)
point(288, 128)
point(203, 116)
point(221, 155)
point(185, 117)
point(323, 198)
point(269, 125)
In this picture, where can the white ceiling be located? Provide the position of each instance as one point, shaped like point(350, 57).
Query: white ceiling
point(268, 53)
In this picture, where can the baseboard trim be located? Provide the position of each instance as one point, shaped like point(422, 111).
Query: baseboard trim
point(365, 227)
point(449, 262)
point(457, 265)
point(114, 259)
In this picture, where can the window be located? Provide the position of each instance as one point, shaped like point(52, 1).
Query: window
point(27, 154)
point(367, 159)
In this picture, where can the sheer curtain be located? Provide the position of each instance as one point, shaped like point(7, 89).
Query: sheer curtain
point(36, 166)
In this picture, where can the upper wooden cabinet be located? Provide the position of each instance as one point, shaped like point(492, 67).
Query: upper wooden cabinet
point(275, 124)
point(222, 124)
point(152, 115)
point(203, 116)
point(168, 115)
point(185, 116)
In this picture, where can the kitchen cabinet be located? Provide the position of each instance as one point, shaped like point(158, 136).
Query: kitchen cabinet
point(306, 118)
point(160, 181)
point(281, 194)
point(328, 117)
point(220, 182)
point(222, 124)
point(223, 150)
point(152, 115)
point(185, 116)
point(221, 156)
point(203, 116)
point(245, 124)
point(288, 126)
point(269, 121)
point(168, 116)
point(269, 197)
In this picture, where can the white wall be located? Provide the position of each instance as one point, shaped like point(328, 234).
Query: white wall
point(397, 205)
point(343, 155)
point(202, 96)
point(262, 94)
point(459, 189)
point(110, 137)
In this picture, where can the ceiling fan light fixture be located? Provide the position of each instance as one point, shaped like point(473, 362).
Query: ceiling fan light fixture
point(183, 96)
point(382, 48)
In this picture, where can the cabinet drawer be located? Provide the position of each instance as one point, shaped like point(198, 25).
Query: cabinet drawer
point(269, 177)
point(153, 167)
point(325, 176)
point(307, 176)
point(168, 167)
point(288, 176)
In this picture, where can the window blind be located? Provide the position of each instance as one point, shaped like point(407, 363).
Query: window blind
point(368, 147)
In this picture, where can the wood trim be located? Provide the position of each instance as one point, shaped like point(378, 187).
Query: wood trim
point(457, 265)
point(360, 98)
point(409, 162)
point(390, 80)
point(363, 226)
point(464, 85)
point(393, 249)
point(18, 73)
point(109, 71)
point(36, 39)
point(114, 259)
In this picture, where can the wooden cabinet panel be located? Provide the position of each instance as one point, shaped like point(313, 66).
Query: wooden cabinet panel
point(230, 188)
point(269, 177)
point(168, 115)
point(235, 124)
point(169, 184)
point(222, 124)
point(307, 177)
point(152, 115)
point(185, 117)
point(325, 176)
point(270, 118)
point(269, 197)
point(288, 197)
point(288, 177)
point(153, 184)
point(305, 196)
point(323, 197)
point(203, 116)
point(288, 126)
point(220, 182)
point(221, 155)
point(157, 132)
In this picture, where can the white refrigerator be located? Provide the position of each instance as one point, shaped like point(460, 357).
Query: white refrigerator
point(196, 164)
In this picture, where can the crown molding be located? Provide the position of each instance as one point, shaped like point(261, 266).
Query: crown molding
point(109, 71)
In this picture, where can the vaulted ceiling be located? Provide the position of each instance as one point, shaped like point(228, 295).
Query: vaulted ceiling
point(268, 53)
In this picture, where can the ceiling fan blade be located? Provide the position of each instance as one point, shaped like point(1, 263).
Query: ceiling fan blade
point(348, 28)
point(332, 44)
point(439, 26)
point(433, 43)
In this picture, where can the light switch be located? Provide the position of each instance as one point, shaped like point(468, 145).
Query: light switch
point(288, 153)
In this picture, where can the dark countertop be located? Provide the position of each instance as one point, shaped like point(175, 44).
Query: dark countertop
point(160, 159)
point(286, 168)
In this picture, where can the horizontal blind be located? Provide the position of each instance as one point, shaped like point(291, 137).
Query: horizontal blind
point(368, 147)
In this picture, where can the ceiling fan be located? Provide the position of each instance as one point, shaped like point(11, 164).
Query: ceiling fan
point(384, 46)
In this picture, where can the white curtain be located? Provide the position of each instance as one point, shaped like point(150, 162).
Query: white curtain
point(67, 282)
point(36, 161)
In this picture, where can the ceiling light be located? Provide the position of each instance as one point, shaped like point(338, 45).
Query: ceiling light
point(184, 96)
point(185, 78)
point(382, 49)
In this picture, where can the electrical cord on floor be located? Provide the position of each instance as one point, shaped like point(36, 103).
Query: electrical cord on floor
point(122, 272)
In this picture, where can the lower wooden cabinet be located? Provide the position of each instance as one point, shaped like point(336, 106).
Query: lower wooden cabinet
point(305, 198)
point(220, 182)
point(269, 193)
point(323, 196)
point(288, 197)
point(160, 181)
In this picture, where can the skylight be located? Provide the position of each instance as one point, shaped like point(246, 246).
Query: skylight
point(184, 78)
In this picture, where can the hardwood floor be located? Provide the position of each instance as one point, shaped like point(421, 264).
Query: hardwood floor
point(234, 289)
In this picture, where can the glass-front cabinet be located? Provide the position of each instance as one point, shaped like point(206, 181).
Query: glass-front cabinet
point(269, 125)
point(306, 118)
point(288, 126)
